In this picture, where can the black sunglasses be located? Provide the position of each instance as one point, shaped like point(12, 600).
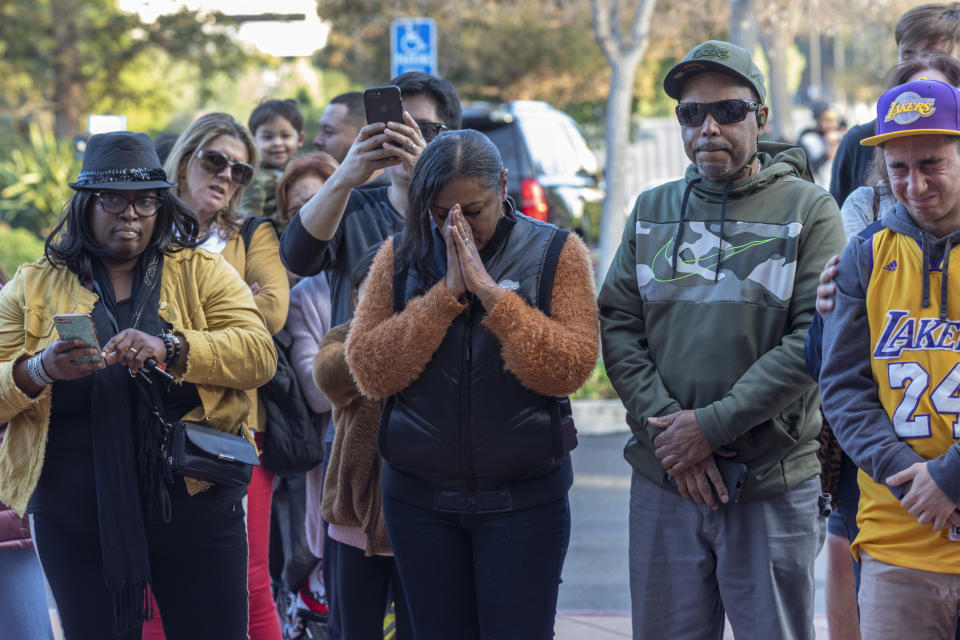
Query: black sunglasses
point(115, 204)
point(692, 114)
point(214, 161)
point(430, 130)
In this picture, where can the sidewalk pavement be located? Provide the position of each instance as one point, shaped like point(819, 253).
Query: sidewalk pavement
point(588, 625)
point(580, 625)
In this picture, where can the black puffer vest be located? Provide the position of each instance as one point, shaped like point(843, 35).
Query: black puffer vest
point(467, 436)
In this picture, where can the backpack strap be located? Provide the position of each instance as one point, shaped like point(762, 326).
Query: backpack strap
point(871, 229)
point(250, 225)
point(550, 269)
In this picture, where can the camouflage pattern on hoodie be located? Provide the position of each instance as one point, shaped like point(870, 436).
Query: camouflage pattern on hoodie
point(707, 308)
point(260, 196)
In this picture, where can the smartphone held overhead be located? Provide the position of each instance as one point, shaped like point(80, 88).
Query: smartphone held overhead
point(383, 104)
point(74, 326)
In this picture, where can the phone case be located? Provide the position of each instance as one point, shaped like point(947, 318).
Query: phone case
point(383, 104)
point(71, 326)
point(733, 474)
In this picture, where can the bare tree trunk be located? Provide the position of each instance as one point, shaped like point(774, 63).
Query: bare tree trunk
point(816, 92)
point(743, 28)
point(775, 43)
point(67, 90)
point(617, 138)
point(623, 56)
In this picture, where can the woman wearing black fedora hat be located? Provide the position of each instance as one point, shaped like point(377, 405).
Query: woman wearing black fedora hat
point(81, 451)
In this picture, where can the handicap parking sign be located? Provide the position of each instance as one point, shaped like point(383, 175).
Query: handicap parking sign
point(413, 46)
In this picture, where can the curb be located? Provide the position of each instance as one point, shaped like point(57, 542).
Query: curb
point(599, 417)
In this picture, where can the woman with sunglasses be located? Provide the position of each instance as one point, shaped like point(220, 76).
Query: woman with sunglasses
point(212, 162)
point(82, 446)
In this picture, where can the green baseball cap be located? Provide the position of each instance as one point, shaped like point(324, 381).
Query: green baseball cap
point(719, 56)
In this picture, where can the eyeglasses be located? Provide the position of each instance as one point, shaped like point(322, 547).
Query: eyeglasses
point(214, 161)
point(430, 130)
point(144, 206)
point(692, 114)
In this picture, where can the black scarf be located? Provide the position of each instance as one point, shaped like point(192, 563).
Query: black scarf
point(126, 450)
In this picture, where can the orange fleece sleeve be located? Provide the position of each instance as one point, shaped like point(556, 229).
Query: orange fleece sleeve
point(552, 355)
point(387, 352)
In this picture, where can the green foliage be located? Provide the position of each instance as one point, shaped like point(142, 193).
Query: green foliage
point(76, 57)
point(18, 246)
point(34, 172)
point(597, 386)
point(491, 50)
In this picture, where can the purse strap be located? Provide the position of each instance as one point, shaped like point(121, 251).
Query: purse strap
point(165, 453)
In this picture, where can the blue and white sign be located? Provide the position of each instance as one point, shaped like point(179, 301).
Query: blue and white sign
point(413, 46)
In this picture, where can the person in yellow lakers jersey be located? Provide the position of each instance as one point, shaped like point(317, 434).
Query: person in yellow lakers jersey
point(890, 378)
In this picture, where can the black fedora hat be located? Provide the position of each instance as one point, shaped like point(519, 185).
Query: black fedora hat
point(121, 160)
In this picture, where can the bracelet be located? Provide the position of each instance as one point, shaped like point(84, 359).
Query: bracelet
point(38, 374)
point(176, 348)
point(168, 343)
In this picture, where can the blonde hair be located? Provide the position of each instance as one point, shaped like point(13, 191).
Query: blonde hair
point(196, 137)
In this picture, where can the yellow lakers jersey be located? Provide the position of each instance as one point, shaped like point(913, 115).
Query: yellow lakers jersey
point(916, 365)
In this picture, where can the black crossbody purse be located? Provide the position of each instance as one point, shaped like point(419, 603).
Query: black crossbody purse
point(202, 453)
point(195, 451)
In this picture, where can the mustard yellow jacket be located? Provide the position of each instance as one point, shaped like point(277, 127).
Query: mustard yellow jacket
point(201, 296)
point(260, 263)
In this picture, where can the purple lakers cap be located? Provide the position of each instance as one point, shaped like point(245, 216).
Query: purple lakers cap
point(917, 108)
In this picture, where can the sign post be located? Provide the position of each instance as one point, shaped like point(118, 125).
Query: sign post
point(413, 46)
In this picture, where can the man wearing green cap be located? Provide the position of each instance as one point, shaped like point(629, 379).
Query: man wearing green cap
point(891, 374)
point(704, 314)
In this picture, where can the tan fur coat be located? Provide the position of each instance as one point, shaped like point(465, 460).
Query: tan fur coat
point(351, 490)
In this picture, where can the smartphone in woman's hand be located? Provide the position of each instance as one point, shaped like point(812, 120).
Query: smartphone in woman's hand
point(71, 326)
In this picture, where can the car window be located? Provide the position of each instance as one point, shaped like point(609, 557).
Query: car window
point(507, 140)
point(557, 146)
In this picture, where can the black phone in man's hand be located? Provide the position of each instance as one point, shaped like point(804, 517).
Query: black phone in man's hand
point(733, 473)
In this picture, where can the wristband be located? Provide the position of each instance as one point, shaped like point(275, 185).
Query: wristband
point(177, 346)
point(168, 343)
point(38, 374)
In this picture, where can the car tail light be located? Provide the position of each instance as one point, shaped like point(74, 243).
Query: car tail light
point(533, 201)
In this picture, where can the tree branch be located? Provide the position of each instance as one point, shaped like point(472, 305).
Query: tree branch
point(601, 29)
point(640, 34)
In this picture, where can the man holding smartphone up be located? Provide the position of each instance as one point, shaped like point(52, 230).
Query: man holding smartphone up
point(336, 227)
point(704, 313)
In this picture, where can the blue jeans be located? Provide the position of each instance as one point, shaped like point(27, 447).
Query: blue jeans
point(23, 597)
point(843, 520)
point(489, 575)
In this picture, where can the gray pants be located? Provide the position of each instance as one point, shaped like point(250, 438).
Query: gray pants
point(690, 565)
point(897, 602)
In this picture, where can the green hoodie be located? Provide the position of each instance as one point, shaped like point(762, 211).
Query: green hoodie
point(684, 330)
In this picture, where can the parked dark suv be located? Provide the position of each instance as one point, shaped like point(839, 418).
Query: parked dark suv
point(552, 174)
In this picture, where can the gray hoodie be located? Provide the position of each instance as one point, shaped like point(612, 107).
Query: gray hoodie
point(849, 392)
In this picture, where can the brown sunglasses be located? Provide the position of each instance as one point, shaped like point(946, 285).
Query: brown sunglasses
point(214, 161)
